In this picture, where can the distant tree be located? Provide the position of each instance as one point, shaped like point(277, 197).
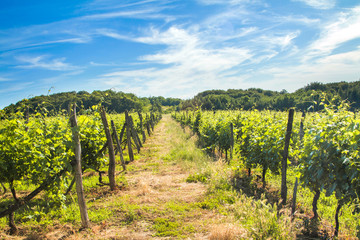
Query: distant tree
point(156, 106)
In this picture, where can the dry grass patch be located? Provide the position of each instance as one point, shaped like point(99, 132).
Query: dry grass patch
point(227, 232)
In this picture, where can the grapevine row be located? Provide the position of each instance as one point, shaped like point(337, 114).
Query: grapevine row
point(324, 150)
point(38, 152)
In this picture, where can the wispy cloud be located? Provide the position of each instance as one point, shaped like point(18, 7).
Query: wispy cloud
point(319, 4)
point(190, 64)
point(81, 29)
point(60, 78)
point(36, 36)
point(3, 79)
point(84, 39)
point(146, 10)
point(16, 87)
point(57, 64)
point(113, 34)
point(174, 36)
point(298, 19)
point(325, 69)
point(95, 64)
point(281, 40)
point(334, 34)
point(188, 50)
point(226, 2)
point(134, 14)
point(124, 4)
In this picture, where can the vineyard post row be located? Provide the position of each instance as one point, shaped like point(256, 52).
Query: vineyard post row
point(186, 120)
point(59, 154)
point(326, 157)
point(132, 138)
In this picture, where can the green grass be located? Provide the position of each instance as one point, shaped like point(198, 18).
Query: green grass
point(197, 177)
point(256, 216)
point(171, 228)
point(154, 166)
point(165, 227)
point(349, 222)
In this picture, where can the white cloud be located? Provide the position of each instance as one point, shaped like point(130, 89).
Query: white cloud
point(111, 4)
point(190, 65)
point(230, 2)
point(188, 50)
point(106, 5)
point(282, 41)
point(319, 4)
point(299, 19)
point(84, 39)
point(57, 64)
point(3, 79)
point(60, 32)
point(178, 81)
point(117, 14)
point(344, 28)
point(146, 13)
point(16, 87)
point(80, 29)
point(96, 64)
point(112, 34)
point(174, 36)
point(60, 77)
point(333, 68)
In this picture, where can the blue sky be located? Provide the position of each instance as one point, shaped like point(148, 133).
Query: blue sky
point(175, 48)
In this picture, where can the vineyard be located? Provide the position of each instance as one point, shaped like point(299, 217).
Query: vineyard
point(322, 153)
point(50, 154)
point(278, 174)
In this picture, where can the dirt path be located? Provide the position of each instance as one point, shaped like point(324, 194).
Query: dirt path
point(157, 202)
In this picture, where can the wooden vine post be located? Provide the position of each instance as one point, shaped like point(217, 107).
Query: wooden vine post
point(285, 156)
point(27, 118)
point(302, 132)
point(148, 125)
point(142, 127)
point(110, 145)
point(128, 136)
point(118, 145)
point(293, 206)
point(152, 118)
point(231, 140)
point(314, 204)
point(337, 223)
point(27, 115)
point(85, 222)
point(134, 135)
point(122, 133)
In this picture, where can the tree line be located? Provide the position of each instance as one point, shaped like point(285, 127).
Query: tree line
point(114, 102)
point(256, 98)
point(252, 98)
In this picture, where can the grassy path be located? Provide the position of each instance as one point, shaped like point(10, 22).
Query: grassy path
point(156, 202)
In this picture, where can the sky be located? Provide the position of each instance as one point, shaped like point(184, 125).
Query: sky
point(175, 48)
